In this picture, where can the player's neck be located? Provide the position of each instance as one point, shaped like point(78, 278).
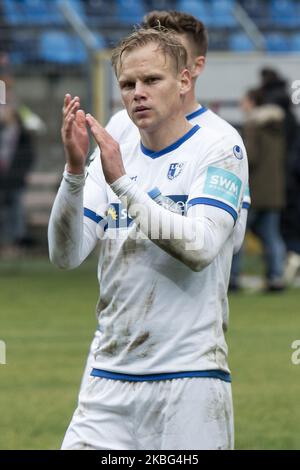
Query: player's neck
point(161, 137)
point(190, 103)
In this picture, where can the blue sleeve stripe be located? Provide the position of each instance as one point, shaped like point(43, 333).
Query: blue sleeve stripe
point(246, 205)
point(213, 374)
point(92, 215)
point(213, 202)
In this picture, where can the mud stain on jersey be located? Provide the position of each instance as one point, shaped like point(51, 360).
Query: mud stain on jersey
point(147, 352)
point(149, 299)
point(102, 304)
point(111, 349)
point(139, 341)
point(63, 230)
point(116, 346)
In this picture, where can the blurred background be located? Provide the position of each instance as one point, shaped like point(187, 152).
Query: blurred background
point(50, 47)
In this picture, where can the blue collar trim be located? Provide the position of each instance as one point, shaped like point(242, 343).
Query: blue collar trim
point(170, 148)
point(199, 111)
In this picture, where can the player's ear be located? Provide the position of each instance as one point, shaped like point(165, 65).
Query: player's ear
point(198, 66)
point(185, 82)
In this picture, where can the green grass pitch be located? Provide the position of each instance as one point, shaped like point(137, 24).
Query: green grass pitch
point(47, 321)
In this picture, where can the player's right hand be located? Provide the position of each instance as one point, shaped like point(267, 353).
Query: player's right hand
point(74, 135)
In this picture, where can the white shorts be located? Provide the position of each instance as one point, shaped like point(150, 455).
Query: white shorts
point(177, 414)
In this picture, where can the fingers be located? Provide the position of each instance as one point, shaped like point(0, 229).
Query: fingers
point(99, 133)
point(68, 125)
point(70, 105)
point(67, 99)
point(80, 118)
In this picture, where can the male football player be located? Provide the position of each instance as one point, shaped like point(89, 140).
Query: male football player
point(160, 377)
point(193, 35)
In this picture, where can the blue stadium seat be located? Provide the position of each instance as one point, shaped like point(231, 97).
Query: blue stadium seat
point(222, 13)
point(24, 47)
point(159, 5)
point(41, 12)
point(197, 8)
point(99, 11)
point(130, 11)
point(12, 12)
point(77, 6)
point(295, 42)
point(62, 48)
point(37, 12)
point(254, 8)
point(284, 13)
point(277, 42)
point(240, 42)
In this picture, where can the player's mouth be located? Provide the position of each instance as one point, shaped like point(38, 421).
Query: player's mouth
point(140, 110)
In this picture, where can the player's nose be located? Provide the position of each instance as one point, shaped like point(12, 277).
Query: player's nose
point(139, 91)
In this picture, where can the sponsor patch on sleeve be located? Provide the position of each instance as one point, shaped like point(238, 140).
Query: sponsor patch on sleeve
point(222, 184)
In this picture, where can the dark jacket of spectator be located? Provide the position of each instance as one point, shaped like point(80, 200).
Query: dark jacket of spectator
point(13, 175)
point(264, 137)
point(291, 215)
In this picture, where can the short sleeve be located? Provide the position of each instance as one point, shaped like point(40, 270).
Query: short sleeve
point(221, 179)
point(247, 198)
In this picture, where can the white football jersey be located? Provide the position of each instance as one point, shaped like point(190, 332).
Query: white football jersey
point(122, 129)
point(156, 315)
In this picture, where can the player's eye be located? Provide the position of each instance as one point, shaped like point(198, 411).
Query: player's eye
point(151, 80)
point(127, 85)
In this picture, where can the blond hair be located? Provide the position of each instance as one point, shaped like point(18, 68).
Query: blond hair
point(166, 42)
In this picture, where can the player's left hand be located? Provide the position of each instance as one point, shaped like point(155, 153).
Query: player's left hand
point(111, 158)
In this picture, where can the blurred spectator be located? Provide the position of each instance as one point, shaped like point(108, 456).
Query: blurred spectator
point(291, 216)
point(275, 90)
point(264, 137)
point(16, 158)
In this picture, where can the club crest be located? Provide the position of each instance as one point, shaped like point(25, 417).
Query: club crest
point(175, 170)
point(238, 152)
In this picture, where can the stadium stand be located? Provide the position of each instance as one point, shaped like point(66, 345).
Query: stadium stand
point(61, 47)
point(283, 13)
point(41, 44)
point(64, 48)
point(295, 42)
point(222, 13)
point(279, 20)
point(31, 12)
point(240, 42)
point(130, 11)
point(196, 8)
point(277, 42)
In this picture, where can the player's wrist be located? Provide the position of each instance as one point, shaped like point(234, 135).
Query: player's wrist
point(75, 169)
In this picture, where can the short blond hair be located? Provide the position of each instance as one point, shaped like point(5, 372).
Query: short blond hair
point(166, 41)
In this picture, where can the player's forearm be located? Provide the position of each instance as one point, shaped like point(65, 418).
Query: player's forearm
point(195, 241)
point(239, 231)
point(67, 247)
